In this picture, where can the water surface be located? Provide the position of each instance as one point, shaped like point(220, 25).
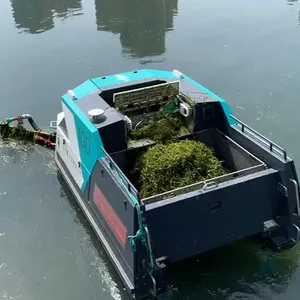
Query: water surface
point(245, 51)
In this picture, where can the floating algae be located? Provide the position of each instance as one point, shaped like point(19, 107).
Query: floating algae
point(165, 167)
point(30, 135)
point(8, 132)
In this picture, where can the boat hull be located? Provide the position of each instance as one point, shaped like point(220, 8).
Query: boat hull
point(97, 226)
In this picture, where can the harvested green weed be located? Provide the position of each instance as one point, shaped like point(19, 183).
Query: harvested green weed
point(165, 129)
point(165, 167)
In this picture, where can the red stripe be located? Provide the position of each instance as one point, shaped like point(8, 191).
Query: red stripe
point(110, 215)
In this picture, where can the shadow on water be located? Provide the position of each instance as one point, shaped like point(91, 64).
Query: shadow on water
point(243, 270)
point(142, 25)
point(37, 16)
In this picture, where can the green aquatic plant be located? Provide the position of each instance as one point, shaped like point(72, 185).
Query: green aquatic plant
point(20, 133)
point(30, 135)
point(165, 167)
point(162, 130)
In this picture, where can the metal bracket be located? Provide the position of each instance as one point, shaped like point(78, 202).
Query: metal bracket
point(209, 185)
point(154, 291)
point(282, 189)
point(53, 124)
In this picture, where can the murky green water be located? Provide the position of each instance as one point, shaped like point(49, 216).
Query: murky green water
point(245, 51)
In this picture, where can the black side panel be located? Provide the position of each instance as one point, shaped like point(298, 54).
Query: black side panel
point(208, 115)
point(181, 228)
point(286, 168)
point(116, 214)
point(111, 125)
point(113, 217)
point(234, 157)
point(114, 253)
point(117, 218)
point(208, 111)
point(257, 148)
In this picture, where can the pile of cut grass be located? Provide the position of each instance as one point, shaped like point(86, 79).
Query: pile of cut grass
point(172, 163)
point(165, 167)
point(163, 130)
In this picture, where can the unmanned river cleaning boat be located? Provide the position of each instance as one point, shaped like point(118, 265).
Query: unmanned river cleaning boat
point(143, 235)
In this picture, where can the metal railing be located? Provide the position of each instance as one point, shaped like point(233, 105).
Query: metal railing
point(298, 233)
point(204, 185)
point(259, 137)
point(296, 195)
point(144, 97)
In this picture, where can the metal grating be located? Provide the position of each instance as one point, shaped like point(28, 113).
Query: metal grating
point(158, 94)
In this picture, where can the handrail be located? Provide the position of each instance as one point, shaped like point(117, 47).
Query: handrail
point(298, 232)
point(272, 146)
point(297, 195)
point(204, 185)
point(121, 176)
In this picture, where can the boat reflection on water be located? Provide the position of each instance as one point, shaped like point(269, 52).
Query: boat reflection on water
point(37, 16)
point(291, 2)
point(142, 25)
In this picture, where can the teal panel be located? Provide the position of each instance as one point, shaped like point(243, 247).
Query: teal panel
point(84, 89)
point(89, 140)
point(131, 76)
